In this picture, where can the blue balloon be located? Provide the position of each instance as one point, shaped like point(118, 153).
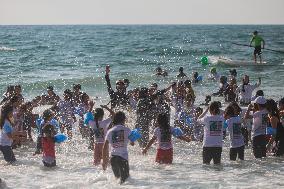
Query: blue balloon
point(55, 123)
point(39, 122)
point(270, 131)
point(199, 78)
point(88, 117)
point(58, 138)
point(177, 132)
point(134, 135)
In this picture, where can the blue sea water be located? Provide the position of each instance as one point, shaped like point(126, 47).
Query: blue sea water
point(36, 56)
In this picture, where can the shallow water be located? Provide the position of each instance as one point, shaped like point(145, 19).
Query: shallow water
point(75, 170)
point(37, 56)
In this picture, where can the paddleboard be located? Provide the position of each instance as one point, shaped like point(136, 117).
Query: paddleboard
point(231, 62)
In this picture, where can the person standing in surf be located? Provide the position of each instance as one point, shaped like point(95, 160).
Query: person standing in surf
point(258, 42)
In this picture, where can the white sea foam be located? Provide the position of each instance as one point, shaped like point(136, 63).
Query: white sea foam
point(7, 49)
point(75, 169)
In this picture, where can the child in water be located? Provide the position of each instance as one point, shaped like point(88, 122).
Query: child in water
point(260, 122)
point(234, 125)
point(117, 137)
point(163, 134)
point(245, 90)
point(100, 127)
point(6, 135)
point(48, 145)
point(213, 133)
point(66, 113)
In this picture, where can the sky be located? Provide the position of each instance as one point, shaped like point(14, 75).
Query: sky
point(32, 12)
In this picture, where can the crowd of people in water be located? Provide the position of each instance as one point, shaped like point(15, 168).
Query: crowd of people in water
point(247, 119)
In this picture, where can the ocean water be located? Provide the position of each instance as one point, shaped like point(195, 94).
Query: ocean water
point(37, 56)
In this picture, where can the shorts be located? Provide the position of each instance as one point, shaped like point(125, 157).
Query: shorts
point(98, 150)
point(210, 153)
point(164, 156)
point(259, 146)
point(120, 168)
point(8, 153)
point(257, 50)
point(239, 151)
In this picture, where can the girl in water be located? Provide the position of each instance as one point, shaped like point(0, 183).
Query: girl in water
point(66, 113)
point(259, 125)
point(6, 135)
point(213, 133)
point(163, 134)
point(100, 127)
point(234, 122)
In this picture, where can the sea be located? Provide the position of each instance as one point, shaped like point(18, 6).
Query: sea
point(62, 55)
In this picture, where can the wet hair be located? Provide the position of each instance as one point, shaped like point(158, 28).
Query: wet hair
point(77, 86)
point(126, 81)
point(119, 118)
point(272, 108)
point(259, 93)
point(236, 107)
point(164, 124)
point(181, 69)
point(187, 82)
point(230, 111)
point(5, 111)
point(233, 72)
point(84, 95)
point(214, 107)
point(99, 113)
point(143, 93)
point(47, 115)
point(50, 88)
point(255, 32)
point(199, 109)
point(68, 92)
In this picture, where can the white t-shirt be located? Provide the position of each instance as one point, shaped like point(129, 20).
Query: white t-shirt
point(118, 140)
point(234, 128)
point(259, 123)
point(164, 140)
point(66, 111)
point(213, 130)
point(100, 132)
point(7, 129)
point(245, 96)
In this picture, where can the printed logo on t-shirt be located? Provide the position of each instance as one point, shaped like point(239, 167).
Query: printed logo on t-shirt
point(215, 128)
point(118, 138)
point(236, 130)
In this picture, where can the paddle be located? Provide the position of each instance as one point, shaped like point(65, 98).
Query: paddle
point(252, 46)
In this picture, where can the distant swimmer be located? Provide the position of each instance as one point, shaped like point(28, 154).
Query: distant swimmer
point(181, 74)
point(258, 42)
point(160, 72)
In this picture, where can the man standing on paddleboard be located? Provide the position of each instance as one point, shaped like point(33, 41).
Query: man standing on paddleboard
point(257, 40)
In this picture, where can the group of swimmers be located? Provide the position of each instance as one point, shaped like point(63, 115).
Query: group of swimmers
point(263, 120)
